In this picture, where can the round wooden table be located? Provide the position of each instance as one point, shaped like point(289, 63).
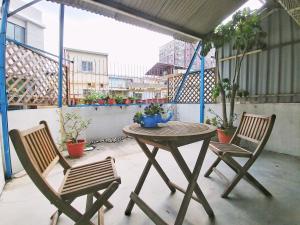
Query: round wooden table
point(169, 137)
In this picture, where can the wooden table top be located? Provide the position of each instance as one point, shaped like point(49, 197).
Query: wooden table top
point(171, 131)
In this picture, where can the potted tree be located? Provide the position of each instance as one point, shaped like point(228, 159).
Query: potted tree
point(72, 126)
point(244, 33)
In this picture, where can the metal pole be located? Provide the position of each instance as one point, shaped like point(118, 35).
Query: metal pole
point(3, 97)
point(23, 7)
point(202, 89)
point(61, 52)
point(187, 72)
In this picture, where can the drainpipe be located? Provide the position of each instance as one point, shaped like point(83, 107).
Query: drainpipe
point(60, 60)
point(3, 95)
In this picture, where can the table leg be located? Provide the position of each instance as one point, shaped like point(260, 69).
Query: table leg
point(156, 165)
point(141, 182)
point(192, 179)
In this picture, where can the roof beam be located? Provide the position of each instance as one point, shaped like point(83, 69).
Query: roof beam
point(23, 7)
point(131, 12)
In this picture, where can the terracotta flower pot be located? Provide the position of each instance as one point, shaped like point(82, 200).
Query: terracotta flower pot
point(101, 101)
point(126, 101)
point(111, 101)
point(223, 137)
point(75, 150)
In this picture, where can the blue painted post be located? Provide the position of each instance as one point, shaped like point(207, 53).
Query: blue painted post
point(3, 97)
point(61, 52)
point(187, 72)
point(202, 89)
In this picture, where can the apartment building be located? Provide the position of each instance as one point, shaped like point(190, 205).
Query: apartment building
point(88, 71)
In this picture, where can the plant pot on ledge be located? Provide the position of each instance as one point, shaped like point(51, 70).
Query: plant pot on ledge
point(75, 150)
point(223, 136)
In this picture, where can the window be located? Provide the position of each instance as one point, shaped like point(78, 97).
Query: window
point(86, 66)
point(15, 32)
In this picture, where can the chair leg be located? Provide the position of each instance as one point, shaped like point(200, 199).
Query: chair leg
point(54, 218)
point(248, 177)
point(257, 185)
point(101, 216)
point(98, 204)
point(209, 171)
point(236, 179)
point(107, 204)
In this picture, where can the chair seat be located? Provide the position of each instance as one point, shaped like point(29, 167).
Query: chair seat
point(230, 149)
point(86, 179)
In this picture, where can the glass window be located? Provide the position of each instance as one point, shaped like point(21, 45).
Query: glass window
point(10, 33)
point(86, 66)
point(19, 34)
point(15, 32)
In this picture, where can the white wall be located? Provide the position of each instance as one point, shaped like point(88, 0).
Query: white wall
point(24, 119)
point(105, 121)
point(285, 137)
point(31, 19)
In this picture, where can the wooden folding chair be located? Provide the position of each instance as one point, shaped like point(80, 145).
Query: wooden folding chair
point(38, 154)
point(255, 129)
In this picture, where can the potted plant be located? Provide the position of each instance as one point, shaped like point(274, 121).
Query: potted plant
point(119, 99)
point(111, 100)
point(243, 94)
point(153, 114)
point(72, 126)
point(244, 33)
point(126, 101)
point(101, 99)
point(92, 98)
point(133, 100)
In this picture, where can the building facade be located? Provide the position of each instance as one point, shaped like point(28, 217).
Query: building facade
point(26, 26)
point(179, 54)
point(88, 71)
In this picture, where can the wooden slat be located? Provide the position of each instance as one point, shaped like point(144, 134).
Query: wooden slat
point(33, 129)
point(37, 154)
point(50, 166)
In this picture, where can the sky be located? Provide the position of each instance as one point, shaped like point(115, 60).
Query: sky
point(124, 43)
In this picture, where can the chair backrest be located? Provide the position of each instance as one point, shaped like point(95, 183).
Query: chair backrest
point(38, 154)
point(254, 128)
point(38, 147)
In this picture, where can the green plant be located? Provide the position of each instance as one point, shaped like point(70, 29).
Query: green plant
point(72, 125)
point(244, 33)
point(243, 93)
point(119, 99)
point(138, 117)
point(93, 97)
point(153, 109)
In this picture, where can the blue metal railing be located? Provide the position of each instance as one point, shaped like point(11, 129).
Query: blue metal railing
point(3, 95)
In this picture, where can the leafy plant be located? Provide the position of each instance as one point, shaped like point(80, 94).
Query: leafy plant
point(138, 117)
point(72, 125)
point(244, 33)
point(93, 97)
point(243, 93)
point(119, 99)
point(153, 109)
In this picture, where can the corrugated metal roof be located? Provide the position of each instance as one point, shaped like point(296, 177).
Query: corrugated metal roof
point(188, 20)
point(293, 8)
